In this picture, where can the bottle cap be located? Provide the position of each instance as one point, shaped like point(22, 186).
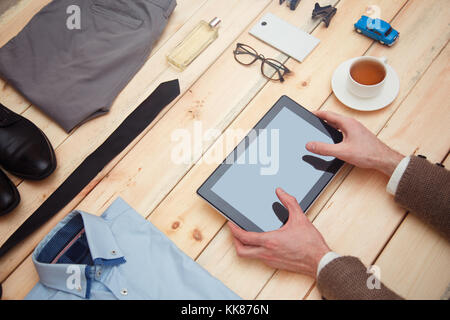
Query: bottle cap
point(214, 22)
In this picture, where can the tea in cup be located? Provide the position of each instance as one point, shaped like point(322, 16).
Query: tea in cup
point(366, 76)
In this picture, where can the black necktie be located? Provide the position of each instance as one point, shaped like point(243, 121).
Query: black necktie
point(128, 130)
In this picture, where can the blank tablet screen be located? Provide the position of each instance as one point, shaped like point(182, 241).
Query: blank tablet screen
point(248, 188)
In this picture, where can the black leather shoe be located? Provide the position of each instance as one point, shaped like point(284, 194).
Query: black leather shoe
point(9, 196)
point(24, 149)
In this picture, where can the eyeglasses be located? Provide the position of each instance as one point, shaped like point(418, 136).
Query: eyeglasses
point(270, 68)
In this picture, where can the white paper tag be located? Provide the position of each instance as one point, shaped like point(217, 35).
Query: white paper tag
point(285, 37)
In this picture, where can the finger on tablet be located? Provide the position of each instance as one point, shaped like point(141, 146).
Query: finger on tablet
point(288, 201)
point(332, 118)
point(246, 237)
point(323, 149)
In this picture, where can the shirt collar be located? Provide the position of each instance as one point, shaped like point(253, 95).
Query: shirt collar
point(75, 278)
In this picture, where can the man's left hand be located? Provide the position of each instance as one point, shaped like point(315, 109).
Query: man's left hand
point(297, 246)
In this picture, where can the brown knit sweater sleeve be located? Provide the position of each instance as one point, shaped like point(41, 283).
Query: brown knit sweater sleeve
point(346, 278)
point(424, 189)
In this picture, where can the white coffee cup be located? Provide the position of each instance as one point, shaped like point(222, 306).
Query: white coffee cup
point(362, 90)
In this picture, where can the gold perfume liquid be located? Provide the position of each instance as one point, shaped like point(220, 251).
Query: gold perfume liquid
point(195, 42)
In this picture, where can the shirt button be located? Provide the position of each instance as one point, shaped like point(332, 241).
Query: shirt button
point(124, 292)
point(113, 252)
point(79, 288)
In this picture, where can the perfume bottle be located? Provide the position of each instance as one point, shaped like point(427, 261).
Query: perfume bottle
point(196, 41)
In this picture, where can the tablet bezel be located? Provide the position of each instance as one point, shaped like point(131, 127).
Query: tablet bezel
point(229, 211)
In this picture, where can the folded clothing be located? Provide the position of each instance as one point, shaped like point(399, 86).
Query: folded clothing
point(118, 255)
point(74, 74)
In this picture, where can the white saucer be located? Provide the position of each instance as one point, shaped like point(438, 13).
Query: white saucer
point(386, 96)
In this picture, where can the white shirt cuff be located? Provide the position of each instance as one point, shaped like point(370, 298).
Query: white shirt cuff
point(326, 259)
point(397, 175)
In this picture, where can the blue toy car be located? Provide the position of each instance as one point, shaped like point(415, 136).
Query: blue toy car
point(377, 29)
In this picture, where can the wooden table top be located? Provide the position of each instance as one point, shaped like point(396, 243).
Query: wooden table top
point(355, 214)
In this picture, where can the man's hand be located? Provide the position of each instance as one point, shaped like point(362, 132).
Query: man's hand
point(297, 246)
point(360, 147)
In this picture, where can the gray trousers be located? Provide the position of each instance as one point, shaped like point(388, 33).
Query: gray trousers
point(75, 56)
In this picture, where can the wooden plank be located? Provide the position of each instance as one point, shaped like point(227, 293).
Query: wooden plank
point(236, 16)
point(420, 60)
point(19, 282)
point(192, 216)
point(11, 98)
point(17, 16)
point(189, 231)
point(238, 86)
point(16, 102)
point(91, 134)
point(416, 59)
point(371, 217)
point(231, 13)
point(5, 5)
point(415, 261)
point(183, 12)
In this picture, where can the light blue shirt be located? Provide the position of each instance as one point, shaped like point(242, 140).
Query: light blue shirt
point(118, 255)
